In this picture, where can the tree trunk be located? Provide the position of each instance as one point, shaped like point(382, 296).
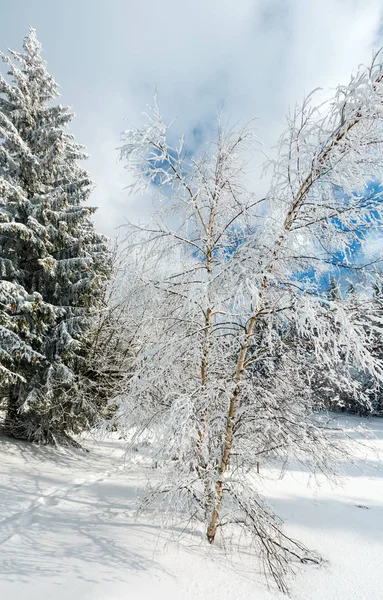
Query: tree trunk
point(212, 527)
point(14, 423)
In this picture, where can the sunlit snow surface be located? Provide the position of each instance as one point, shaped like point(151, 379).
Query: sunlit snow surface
point(68, 530)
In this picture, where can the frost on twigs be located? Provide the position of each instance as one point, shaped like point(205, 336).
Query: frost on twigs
point(240, 335)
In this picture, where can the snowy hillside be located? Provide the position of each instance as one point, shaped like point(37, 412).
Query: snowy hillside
point(68, 531)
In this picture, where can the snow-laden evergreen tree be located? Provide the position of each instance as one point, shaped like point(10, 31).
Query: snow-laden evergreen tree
point(53, 264)
point(341, 389)
point(365, 305)
point(239, 319)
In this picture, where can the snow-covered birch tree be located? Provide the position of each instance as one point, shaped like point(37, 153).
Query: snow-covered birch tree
point(239, 319)
point(53, 264)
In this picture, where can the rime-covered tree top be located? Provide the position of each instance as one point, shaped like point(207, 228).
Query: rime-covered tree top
point(53, 264)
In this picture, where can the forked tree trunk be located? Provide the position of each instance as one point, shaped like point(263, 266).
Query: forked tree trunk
point(214, 520)
point(288, 222)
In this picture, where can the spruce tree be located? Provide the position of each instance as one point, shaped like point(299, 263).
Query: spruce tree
point(54, 266)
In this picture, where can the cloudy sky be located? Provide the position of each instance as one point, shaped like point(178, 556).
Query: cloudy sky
point(257, 56)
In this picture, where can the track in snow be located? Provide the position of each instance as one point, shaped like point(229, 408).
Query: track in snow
point(19, 521)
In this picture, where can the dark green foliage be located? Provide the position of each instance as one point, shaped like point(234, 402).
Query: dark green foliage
point(54, 266)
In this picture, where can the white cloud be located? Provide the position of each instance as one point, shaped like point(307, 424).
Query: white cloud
point(258, 55)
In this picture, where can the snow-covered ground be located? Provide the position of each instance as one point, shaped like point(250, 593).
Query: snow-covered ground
point(68, 531)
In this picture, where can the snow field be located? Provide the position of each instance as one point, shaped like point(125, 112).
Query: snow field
point(68, 529)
